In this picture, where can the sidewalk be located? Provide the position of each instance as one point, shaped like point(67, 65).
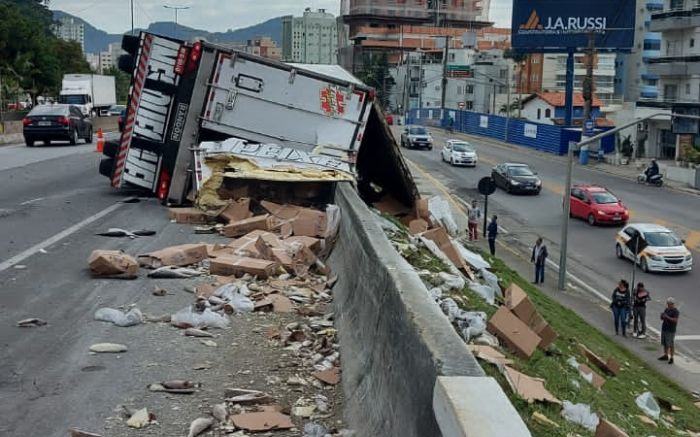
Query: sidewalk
point(685, 372)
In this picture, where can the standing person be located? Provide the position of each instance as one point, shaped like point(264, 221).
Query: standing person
point(539, 257)
point(474, 217)
point(668, 329)
point(620, 306)
point(639, 310)
point(492, 234)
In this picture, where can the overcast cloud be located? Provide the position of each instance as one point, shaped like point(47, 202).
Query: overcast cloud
point(114, 16)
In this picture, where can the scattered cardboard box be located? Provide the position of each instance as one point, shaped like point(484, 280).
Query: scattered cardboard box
point(330, 376)
point(489, 354)
point(422, 209)
point(516, 334)
point(607, 429)
point(242, 227)
point(273, 249)
point(647, 420)
point(417, 226)
point(183, 255)
point(440, 237)
point(263, 421)
point(113, 264)
point(281, 304)
point(315, 244)
point(188, 216)
point(519, 303)
point(529, 388)
point(237, 211)
point(232, 265)
point(611, 366)
point(391, 206)
point(542, 328)
point(591, 376)
point(304, 221)
point(245, 245)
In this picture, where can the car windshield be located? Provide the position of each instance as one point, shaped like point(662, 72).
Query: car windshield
point(49, 110)
point(662, 239)
point(417, 131)
point(462, 147)
point(604, 198)
point(520, 171)
point(73, 99)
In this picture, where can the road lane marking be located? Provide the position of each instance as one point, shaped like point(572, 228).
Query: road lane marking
point(687, 337)
point(56, 238)
point(29, 202)
point(693, 239)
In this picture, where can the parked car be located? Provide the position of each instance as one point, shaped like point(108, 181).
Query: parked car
point(121, 119)
point(416, 136)
point(516, 178)
point(389, 119)
point(116, 110)
point(56, 123)
point(458, 152)
point(597, 205)
point(662, 250)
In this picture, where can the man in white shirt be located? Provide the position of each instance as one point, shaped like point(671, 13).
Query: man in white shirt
point(539, 257)
point(474, 216)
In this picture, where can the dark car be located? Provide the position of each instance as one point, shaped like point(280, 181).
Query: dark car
point(122, 119)
point(516, 178)
point(56, 123)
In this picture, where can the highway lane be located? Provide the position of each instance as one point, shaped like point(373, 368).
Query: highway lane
point(591, 249)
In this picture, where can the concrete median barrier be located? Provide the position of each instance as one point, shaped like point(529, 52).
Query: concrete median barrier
point(394, 339)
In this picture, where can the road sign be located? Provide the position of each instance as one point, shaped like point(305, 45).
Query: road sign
point(547, 26)
point(487, 186)
point(461, 105)
point(588, 131)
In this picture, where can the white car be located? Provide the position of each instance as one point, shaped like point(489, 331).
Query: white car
point(661, 249)
point(458, 152)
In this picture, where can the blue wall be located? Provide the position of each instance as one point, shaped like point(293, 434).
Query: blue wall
point(547, 138)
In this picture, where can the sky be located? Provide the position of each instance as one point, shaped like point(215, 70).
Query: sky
point(114, 16)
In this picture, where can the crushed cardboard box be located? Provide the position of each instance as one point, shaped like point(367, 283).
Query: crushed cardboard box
point(315, 244)
point(113, 264)
point(183, 255)
point(611, 366)
point(245, 245)
point(272, 248)
point(514, 333)
point(608, 429)
point(236, 211)
point(440, 237)
point(489, 354)
point(232, 265)
point(304, 221)
point(242, 227)
point(261, 421)
point(529, 388)
point(391, 206)
point(188, 216)
point(591, 376)
point(422, 209)
point(417, 226)
point(519, 303)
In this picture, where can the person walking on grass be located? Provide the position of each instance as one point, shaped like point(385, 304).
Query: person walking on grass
point(668, 329)
point(619, 305)
point(639, 309)
point(473, 224)
point(539, 257)
point(492, 233)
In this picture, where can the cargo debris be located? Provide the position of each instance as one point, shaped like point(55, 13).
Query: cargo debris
point(529, 388)
point(108, 348)
point(131, 318)
point(180, 256)
point(200, 425)
point(31, 323)
point(113, 264)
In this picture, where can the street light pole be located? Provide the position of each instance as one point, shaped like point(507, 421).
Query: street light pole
point(176, 9)
point(132, 17)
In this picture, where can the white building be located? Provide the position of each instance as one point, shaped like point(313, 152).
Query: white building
point(70, 29)
point(93, 59)
point(554, 74)
point(311, 38)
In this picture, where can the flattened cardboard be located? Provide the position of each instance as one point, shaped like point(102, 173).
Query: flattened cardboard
point(281, 304)
point(439, 236)
point(417, 226)
point(242, 227)
point(113, 263)
point(489, 354)
point(529, 388)
point(519, 303)
point(188, 216)
point(330, 376)
point(183, 255)
point(589, 374)
point(611, 366)
point(236, 211)
point(607, 429)
point(516, 334)
point(542, 328)
point(232, 265)
point(422, 210)
point(263, 421)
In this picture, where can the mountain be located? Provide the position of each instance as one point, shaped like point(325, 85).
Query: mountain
point(97, 40)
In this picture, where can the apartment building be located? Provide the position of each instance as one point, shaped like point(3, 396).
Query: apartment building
point(70, 29)
point(311, 38)
point(554, 74)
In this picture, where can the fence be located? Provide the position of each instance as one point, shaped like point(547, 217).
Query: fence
point(538, 136)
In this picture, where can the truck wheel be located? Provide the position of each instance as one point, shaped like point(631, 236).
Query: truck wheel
point(111, 149)
point(106, 167)
point(74, 137)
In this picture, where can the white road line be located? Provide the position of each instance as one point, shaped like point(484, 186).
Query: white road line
point(687, 337)
point(56, 238)
point(29, 202)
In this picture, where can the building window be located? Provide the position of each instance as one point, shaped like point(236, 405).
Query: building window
point(692, 42)
point(676, 4)
point(539, 113)
point(687, 88)
point(470, 89)
point(547, 113)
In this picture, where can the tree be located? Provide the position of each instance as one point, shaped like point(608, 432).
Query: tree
point(123, 81)
point(375, 73)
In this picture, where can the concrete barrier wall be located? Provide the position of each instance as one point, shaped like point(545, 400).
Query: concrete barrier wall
point(395, 342)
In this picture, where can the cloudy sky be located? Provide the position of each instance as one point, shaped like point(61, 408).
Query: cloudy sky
point(214, 15)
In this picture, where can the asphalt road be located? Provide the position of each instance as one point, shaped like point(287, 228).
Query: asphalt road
point(591, 249)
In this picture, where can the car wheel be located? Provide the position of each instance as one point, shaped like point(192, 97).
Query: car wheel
point(74, 137)
point(618, 252)
point(88, 139)
point(28, 142)
point(431, 148)
point(591, 220)
point(47, 142)
point(645, 265)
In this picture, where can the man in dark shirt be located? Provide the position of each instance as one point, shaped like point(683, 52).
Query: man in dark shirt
point(668, 329)
point(492, 234)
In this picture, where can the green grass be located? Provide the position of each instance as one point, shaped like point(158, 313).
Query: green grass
point(615, 401)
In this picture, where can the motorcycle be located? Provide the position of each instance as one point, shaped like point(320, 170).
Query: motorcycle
point(657, 180)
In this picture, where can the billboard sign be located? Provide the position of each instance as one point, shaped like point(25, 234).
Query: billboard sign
point(552, 26)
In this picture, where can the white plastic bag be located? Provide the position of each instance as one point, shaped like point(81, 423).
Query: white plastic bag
point(440, 210)
point(473, 259)
point(472, 324)
point(436, 294)
point(205, 319)
point(314, 430)
point(226, 291)
point(451, 282)
point(132, 318)
point(485, 291)
point(580, 414)
point(450, 308)
point(332, 221)
point(242, 304)
point(648, 404)
point(492, 280)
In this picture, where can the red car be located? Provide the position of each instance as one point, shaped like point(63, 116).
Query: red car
point(597, 205)
point(390, 119)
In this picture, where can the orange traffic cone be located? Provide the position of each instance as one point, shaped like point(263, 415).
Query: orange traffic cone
point(100, 146)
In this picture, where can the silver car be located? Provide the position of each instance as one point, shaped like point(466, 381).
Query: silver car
point(416, 137)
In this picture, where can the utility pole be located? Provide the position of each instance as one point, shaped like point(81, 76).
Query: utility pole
point(132, 17)
point(176, 9)
point(444, 73)
point(588, 98)
point(508, 104)
point(420, 80)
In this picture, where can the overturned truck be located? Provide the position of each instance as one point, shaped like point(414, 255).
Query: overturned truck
point(316, 118)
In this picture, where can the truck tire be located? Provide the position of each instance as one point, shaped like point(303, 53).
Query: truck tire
point(111, 148)
point(107, 167)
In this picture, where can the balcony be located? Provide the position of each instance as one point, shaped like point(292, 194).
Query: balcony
point(674, 19)
point(674, 66)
